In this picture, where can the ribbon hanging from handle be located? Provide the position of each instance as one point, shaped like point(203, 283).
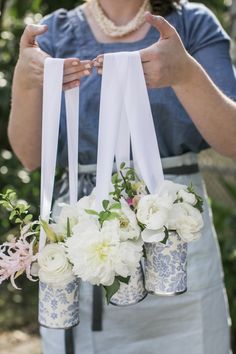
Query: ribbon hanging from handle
point(124, 99)
point(52, 93)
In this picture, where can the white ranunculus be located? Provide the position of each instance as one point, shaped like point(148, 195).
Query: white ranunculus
point(54, 267)
point(187, 197)
point(97, 255)
point(186, 220)
point(129, 228)
point(153, 235)
point(153, 210)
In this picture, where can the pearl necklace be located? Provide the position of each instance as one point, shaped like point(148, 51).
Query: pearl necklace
point(109, 28)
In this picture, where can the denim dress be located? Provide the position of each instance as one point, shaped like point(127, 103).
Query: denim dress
point(196, 322)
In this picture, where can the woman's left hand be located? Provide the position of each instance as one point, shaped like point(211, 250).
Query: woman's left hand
point(166, 62)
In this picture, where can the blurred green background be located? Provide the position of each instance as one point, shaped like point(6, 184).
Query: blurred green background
point(18, 309)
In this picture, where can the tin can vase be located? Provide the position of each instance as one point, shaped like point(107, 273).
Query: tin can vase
point(59, 305)
point(165, 266)
point(131, 293)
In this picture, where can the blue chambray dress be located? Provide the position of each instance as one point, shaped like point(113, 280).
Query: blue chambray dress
point(196, 322)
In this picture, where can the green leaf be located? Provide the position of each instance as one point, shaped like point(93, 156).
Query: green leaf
point(113, 215)
point(115, 206)
point(111, 289)
point(12, 214)
point(18, 221)
point(28, 218)
point(105, 204)
point(91, 212)
point(114, 178)
point(166, 236)
point(6, 204)
point(68, 230)
point(123, 280)
point(122, 165)
point(52, 236)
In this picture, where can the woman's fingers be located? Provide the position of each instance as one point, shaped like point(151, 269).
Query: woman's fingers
point(98, 63)
point(76, 76)
point(73, 65)
point(74, 70)
point(28, 38)
point(71, 85)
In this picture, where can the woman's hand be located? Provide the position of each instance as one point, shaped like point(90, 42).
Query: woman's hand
point(166, 62)
point(30, 65)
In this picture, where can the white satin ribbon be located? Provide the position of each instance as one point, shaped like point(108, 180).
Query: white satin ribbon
point(52, 92)
point(72, 121)
point(125, 108)
point(110, 112)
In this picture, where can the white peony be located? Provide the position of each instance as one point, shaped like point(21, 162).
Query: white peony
point(187, 197)
point(153, 210)
point(186, 220)
point(97, 255)
point(54, 267)
point(130, 253)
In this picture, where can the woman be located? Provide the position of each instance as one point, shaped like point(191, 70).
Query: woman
point(185, 122)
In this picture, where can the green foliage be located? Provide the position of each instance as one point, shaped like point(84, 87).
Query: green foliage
point(110, 290)
point(19, 212)
point(107, 213)
point(199, 203)
point(225, 223)
point(126, 181)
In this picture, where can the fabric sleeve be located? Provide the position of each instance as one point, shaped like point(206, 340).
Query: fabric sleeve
point(56, 23)
point(209, 44)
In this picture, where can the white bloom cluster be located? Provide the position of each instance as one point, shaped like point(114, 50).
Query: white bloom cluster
point(98, 250)
point(173, 208)
point(99, 253)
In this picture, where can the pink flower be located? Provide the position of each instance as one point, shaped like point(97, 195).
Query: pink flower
point(17, 256)
point(129, 201)
point(133, 201)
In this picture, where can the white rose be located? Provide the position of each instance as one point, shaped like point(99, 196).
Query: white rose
point(153, 210)
point(187, 197)
point(54, 267)
point(186, 220)
point(75, 213)
point(86, 202)
point(129, 228)
point(170, 189)
point(150, 236)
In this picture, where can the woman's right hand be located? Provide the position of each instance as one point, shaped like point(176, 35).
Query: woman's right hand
point(30, 65)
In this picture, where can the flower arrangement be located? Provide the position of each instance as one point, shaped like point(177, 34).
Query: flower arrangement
point(102, 247)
